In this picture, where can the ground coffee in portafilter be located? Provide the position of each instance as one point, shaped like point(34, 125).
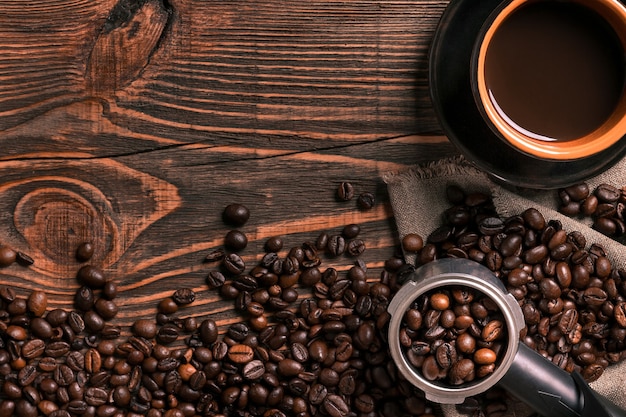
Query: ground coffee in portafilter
point(555, 69)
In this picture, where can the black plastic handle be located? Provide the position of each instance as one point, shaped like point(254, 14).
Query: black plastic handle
point(551, 391)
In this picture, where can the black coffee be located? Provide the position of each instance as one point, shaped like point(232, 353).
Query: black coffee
point(555, 69)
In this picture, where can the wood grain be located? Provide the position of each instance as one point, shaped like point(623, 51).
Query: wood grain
point(134, 123)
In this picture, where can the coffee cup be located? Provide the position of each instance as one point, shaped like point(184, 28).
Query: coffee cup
point(548, 76)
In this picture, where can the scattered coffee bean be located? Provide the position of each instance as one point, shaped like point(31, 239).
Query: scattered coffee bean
point(412, 242)
point(37, 303)
point(350, 231)
point(184, 296)
point(366, 201)
point(7, 256)
point(24, 259)
point(274, 244)
point(215, 255)
point(235, 240)
point(336, 245)
point(91, 276)
point(345, 191)
point(236, 214)
point(84, 252)
point(234, 264)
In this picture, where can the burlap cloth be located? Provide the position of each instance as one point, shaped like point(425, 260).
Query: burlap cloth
point(418, 200)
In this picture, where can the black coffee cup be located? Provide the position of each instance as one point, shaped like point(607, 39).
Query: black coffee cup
point(548, 76)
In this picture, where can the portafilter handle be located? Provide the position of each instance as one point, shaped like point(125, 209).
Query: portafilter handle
point(551, 391)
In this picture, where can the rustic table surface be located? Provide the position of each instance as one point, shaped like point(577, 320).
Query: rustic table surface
point(133, 123)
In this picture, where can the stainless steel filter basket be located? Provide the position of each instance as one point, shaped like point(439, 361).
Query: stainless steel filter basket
point(446, 273)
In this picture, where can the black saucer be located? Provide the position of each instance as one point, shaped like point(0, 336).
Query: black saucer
point(450, 85)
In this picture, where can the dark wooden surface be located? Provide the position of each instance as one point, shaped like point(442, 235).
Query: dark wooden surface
point(133, 123)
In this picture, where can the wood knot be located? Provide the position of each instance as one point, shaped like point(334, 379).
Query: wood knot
point(99, 201)
point(127, 40)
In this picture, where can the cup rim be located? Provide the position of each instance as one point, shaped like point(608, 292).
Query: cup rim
point(603, 137)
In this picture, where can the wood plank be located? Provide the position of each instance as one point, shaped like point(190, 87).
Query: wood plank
point(133, 124)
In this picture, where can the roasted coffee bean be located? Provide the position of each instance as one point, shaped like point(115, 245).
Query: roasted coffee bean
point(446, 355)
point(577, 192)
point(594, 296)
point(236, 214)
point(240, 353)
point(57, 317)
point(107, 309)
point(84, 298)
point(335, 406)
point(7, 256)
point(172, 382)
point(345, 191)
point(85, 251)
point(235, 240)
point(27, 375)
point(350, 231)
point(41, 328)
point(168, 334)
point(77, 407)
point(208, 332)
point(37, 303)
point(215, 279)
point(92, 361)
point(76, 361)
point(366, 201)
point(607, 193)
point(121, 396)
point(592, 372)
point(253, 370)
point(605, 225)
point(412, 242)
point(550, 288)
point(491, 225)
point(144, 328)
point(76, 322)
point(485, 356)
point(619, 312)
point(355, 247)
point(33, 348)
point(184, 296)
point(91, 276)
point(336, 245)
point(233, 264)
point(94, 323)
point(57, 349)
point(461, 372)
point(274, 244)
point(215, 255)
point(63, 375)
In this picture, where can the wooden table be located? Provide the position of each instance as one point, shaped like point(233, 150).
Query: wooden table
point(132, 124)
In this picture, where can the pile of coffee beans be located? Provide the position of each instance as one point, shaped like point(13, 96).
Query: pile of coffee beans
point(604, 205)
point(572, 299)
point(454, 335)
point(311, 341)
